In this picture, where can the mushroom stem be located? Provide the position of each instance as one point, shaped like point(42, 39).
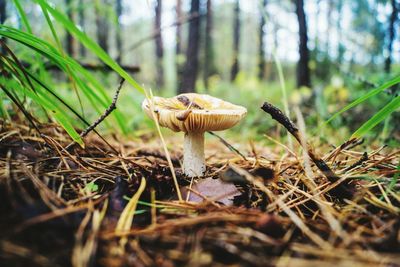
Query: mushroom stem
point(193, 154)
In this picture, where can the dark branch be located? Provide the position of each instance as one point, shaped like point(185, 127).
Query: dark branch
point(88, 66)
point(106, 113)
point(341, 190)
point(363, 158)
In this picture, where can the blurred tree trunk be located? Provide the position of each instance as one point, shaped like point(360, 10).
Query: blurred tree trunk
point(341, 47)
point(3, 11)
point(329, 22)
point(178, 40)
point(69, 40)
point(102, 24)
point(236, 40)
point(303, 70)
point(178, 27)
point(392, 21)
point(82, 49)
point(3, 17)
point(316, 22)
point(118, 37)
point(159, 44)
point(261, 51)
point(209, 65)
point(191, 66)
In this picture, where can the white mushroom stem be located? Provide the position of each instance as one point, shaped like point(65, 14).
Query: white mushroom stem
point(193, 154)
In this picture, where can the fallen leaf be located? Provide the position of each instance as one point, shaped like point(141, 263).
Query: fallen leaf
point(214, 189)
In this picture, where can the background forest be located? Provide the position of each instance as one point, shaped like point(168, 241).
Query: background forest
point(320, 54)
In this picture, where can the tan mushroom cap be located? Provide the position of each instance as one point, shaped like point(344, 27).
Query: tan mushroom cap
point(194, 112)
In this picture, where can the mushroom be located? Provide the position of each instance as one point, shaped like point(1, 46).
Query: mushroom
point(194, 114)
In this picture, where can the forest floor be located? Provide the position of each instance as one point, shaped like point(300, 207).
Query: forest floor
point(63, 206)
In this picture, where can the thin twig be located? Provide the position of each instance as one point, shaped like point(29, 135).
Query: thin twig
point(229, 146)
point(106, 113)
point(27, 115)
point(363, 158)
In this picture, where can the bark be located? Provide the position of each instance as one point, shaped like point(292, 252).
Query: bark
point(261, 49)
point(209, 64)
point(118, 35)
point(178, 27)
point(236, 40)
point(3, 17)
point(82, 49)
point(159, 44)
point(178, 40)
point(391, 31)
point(316, 22)
point(341, 47)
point(189, 76)
point(69, 40)
point(329, 22)
point(303, 70)
point(102, 24)
point(3, 11)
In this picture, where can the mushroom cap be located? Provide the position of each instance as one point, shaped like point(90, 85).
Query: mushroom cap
point(193, 112)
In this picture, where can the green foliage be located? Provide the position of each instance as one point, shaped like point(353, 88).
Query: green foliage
point(81, 79)
point(380, 115)
point(89, 44)
point(89, 92)
point(91, 187)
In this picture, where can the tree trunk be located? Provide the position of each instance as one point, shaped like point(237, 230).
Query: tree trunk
point(82, 49)
point(178, 27)
point(102, 24)
point(159, 44)
point(329, 23)
point(303, 70)
point(3, 11)
point(209, 64)
point(118, 37)
point(391, 30)
point(3, 17)
point(191, 66)
point(236, 40)
point(178, 40)
point(261, 49)
point(69, 40)
point(341, 47)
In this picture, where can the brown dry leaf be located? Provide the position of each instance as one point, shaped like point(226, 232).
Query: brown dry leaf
point(213, 189)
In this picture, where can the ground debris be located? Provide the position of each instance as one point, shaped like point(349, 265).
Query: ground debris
point(57, 202)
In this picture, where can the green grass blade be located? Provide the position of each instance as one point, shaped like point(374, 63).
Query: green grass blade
point(395, 178)
point(61, 50)
point(42, 100)
point(91, 87)
point(58, 115)
point(90, 44)
point(24, 19)
point(51, 26)
point(378, 117)
point(361, 99)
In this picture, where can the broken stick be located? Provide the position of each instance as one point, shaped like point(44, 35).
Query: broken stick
point(341, 190)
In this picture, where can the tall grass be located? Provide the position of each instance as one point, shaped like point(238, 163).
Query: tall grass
point(23, 81)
